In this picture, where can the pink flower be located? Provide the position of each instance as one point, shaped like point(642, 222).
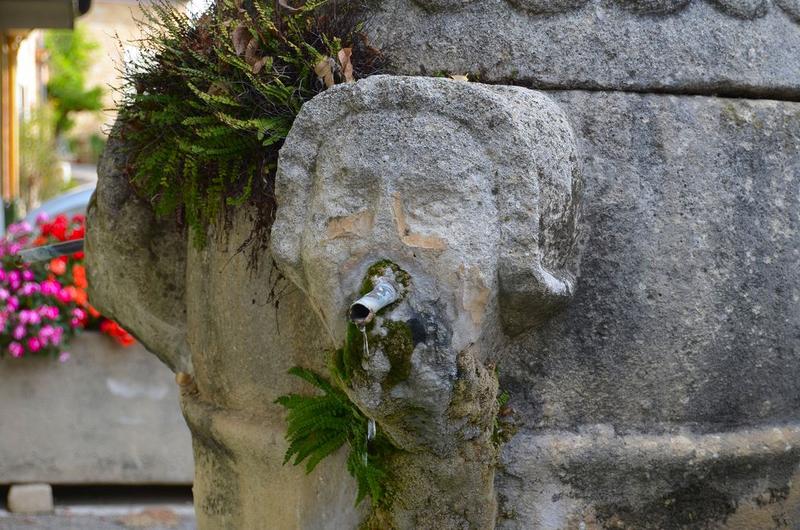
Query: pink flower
point(4, 294)
point(46, 334)
point(50, 287)
point(57, 335)
point(16, 349)
point(19, 332)
point(48, 311)
point(27, 316)
point(13, 303)
point(75, 322)
point(21, 228)
point(2, 275)
point(14, 248)
point(79, 313)
point(34, 344)
point(27, 275)
point(30, 288)
point(42, 217)
point(64, 296)
point(64, 356)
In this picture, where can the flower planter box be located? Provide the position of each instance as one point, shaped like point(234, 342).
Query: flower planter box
point(108, 416)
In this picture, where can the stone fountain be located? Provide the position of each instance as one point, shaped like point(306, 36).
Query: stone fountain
point(605, 228)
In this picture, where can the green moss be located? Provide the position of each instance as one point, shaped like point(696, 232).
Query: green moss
point(377, 269)
point(504, 425)
point(348, 358)
point(503, 398)
point(398, 345)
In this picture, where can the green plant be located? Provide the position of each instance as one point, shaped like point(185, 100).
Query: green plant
point(505, 426)
point(40, 177)
point(320, 425)
point(87, 149)
point(211, 100)
point(71, 54)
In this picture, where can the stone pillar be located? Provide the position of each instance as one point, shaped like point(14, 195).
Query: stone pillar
point(653, 383)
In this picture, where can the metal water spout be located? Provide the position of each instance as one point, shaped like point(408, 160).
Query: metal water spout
point(363, 310)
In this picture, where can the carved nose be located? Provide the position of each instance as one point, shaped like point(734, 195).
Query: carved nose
point(363, 310)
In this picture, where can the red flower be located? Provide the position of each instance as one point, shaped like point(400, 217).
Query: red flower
point(113, 329)
point(77, 233)
point(58, 228)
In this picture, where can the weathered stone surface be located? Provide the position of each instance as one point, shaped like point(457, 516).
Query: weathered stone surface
point(663, 396)
point(726, 46)
point(108, 416)
point(30, 498)
point(137, 263)
point(598, 478)
point(247, 328)
point(685, 329)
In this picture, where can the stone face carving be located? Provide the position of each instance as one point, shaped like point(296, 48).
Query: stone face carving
point(473, 191)
point(494, 212)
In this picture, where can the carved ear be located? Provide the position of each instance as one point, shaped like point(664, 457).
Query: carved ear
point(529, 295)
point(538, 262)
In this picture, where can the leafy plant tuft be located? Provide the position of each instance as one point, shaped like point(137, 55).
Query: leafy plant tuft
point(319, 425)
point(211, 99)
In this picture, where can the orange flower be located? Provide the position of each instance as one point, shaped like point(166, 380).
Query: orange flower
point(78, 296)
point(79, 276)
point(58, 266)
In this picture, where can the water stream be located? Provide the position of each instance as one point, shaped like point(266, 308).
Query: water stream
point(371, 426)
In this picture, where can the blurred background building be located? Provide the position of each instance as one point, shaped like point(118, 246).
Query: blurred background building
point(61, 64)
point(103, 429)
point(23, 78)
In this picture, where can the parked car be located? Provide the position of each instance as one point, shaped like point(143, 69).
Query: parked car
point(70, 203)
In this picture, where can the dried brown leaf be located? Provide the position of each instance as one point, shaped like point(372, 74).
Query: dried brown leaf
point(286, 6)
point(241, 36)
point(324, 70)
point(259, 65)
point(251, 52)
point(347, 66)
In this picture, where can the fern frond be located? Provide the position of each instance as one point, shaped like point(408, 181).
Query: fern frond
point(318, 426)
